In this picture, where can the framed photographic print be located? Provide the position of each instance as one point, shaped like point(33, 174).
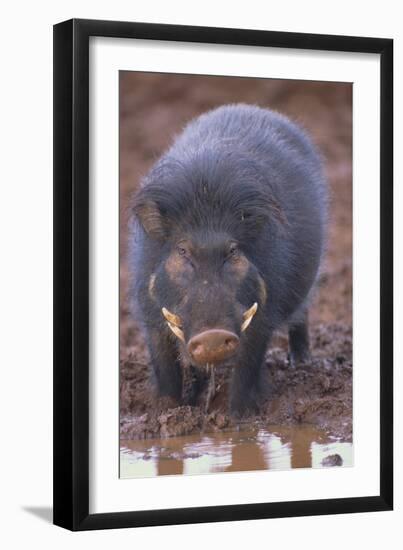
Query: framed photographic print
point(223, 319)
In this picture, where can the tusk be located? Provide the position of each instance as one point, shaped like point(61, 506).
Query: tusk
point(177, 331)
point(171, 317)
point(174, 323)
point(248, 316)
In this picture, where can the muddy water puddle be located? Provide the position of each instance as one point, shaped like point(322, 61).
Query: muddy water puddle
point(277, 448)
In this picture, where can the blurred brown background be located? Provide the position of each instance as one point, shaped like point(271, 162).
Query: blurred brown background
point(155, 107)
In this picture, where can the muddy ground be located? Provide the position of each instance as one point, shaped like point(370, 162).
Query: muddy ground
point(153, 108)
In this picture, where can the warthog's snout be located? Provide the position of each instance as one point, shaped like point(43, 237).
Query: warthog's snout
point(212, 346)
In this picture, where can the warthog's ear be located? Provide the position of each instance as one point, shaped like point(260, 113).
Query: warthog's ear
point(149, 214)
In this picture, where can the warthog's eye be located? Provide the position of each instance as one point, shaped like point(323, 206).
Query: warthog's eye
point(184, 252)
point(233, 252)
point(182, 248)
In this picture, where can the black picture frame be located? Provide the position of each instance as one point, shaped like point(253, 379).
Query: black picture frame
point(71, 274)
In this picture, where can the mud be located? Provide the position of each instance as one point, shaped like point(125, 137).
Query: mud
point(153, 108)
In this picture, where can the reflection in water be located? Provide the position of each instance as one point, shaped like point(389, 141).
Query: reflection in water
point(169, 466)
point(281, 448)
point(247, 455)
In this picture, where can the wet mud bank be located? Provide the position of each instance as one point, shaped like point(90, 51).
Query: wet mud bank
point(318, 393)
